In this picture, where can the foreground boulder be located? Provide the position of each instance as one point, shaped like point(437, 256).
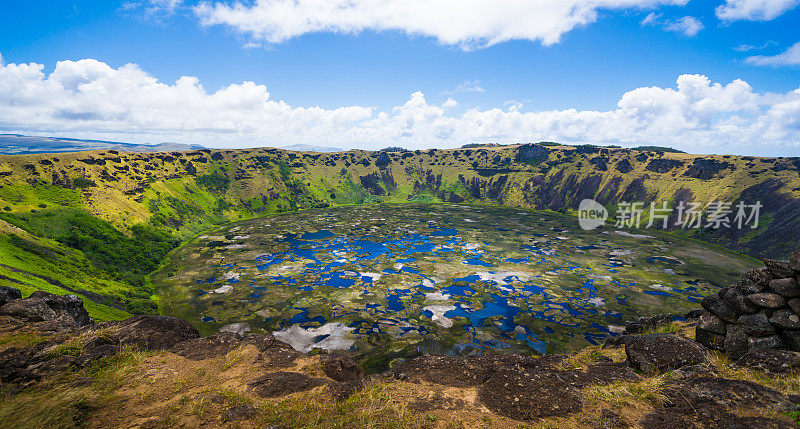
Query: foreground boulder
point(662, 352)
point(342, 368)
point(147, 332)
point(711, 401)
point(771, 361)
point(61, 311)
point(8, 294)
point(283, 383)
point(529, 395)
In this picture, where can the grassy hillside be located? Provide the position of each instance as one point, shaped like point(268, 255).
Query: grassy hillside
point(87, 214)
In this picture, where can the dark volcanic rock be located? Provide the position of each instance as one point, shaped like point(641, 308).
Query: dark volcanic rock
point(794, 260)
point(737, 300)
point(778, 269)
point(773, 361)
point(342, 368)
point(64, 311)
point(529, 152)
point(710, 339)
point(207, 347)
point(445, 370)
point(606, 373)
point(238, 412)
point(785, 319)
point(758, 343)
point(636, 326)
point(624, 166)
point(524, 395)
point(736, 344)
point(725, 392)
point(283, 383)
point(711, 323)
point(708, 402)
point(706, 169)
point(694, 371)
point(383, 160)
point(8, 294)
point(794, 304)
point(663, 165)
point(190, 168)
point(662, 352)
point(787, 288)
point(767, 300)
point(97, 348)
point(756, 324)
point(148, 332)
point(755, 281)
point(718, 307)
point(792, 340)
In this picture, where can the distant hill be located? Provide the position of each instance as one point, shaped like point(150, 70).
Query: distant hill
point(312, 148)
point(15, 144)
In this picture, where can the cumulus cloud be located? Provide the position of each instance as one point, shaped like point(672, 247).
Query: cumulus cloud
point(466, 23)
point(687, 25)
point(89, 99)
point(754, 10)
point(790, 57)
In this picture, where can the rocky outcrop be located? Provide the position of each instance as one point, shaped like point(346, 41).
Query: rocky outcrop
point(706, 169)
point(761, 311)
point(663, 165)
point(771, 361)
point(8, 294)
point(505, 381)
point(655, 353)
point(60, 311)
point(383, 160)
point(712, 402)
point(529, 152)
point(145, 332)
point(497, 385)
point(73, 339)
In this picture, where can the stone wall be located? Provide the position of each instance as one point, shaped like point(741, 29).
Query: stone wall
point(761, 311)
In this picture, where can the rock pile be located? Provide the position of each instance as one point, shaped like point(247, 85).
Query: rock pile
point(761, 311)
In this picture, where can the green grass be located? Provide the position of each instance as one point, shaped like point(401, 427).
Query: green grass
point(61, 272)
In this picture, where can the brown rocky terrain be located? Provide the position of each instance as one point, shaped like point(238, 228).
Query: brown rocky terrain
point(60, 369)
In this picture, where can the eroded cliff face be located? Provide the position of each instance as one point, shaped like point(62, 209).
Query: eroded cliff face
point(60, 369)
point(186, 191)
point(95, 223)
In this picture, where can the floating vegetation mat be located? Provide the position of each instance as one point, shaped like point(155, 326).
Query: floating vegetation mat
point(391, 281)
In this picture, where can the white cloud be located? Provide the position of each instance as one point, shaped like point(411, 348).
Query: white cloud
point(688, 25)
point(466, 86)
point(748, 48)
point(790, 57)
point(466, 23)
point(89, 99)
point(652, 18)
point(153, 9)
point(754, 10)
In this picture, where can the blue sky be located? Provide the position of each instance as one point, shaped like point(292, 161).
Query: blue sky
point(588, 69)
